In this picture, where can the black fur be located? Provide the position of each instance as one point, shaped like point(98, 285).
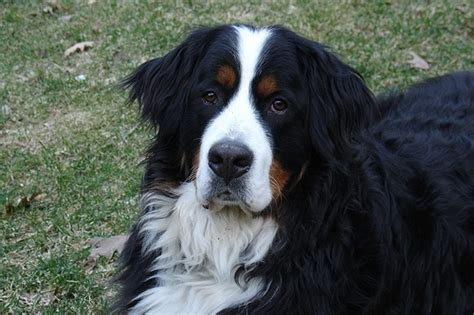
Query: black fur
point(381, 219)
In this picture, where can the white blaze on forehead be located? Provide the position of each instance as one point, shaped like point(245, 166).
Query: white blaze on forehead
point(240, 112)
point(251, 44)
point(240, 121)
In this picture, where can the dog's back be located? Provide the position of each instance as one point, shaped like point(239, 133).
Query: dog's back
point(430, 129)
point(423, 161)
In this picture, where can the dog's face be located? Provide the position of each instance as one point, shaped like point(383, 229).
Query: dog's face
point(245, 112)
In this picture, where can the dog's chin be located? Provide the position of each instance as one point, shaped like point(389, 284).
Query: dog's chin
point(215, 196)
point(227, 201)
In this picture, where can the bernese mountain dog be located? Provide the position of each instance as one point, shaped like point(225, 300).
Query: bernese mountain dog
point(278, 184)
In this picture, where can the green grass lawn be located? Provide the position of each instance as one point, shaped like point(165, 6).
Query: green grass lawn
point(78, 143)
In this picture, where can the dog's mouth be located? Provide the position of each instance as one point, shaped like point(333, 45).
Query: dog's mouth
point(227, 199)
point(227, 196)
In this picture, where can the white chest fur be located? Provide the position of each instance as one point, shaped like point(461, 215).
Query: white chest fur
point(200, 253)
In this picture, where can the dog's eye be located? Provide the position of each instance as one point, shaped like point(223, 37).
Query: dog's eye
point(278, 106)
point(210, 97)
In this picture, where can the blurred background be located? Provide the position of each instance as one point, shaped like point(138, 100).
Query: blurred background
point(70, 146)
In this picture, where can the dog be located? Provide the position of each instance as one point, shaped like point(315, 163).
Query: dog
point(278, 184)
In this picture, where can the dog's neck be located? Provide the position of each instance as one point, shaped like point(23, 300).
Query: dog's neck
point(200, 252)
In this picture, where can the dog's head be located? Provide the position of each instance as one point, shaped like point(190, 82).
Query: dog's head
point(244, 111)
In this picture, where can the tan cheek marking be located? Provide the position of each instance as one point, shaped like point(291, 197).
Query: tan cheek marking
point(278, 179)
point(267, 86)
point(226, 76)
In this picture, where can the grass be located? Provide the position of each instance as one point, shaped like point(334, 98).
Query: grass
point(78, 143)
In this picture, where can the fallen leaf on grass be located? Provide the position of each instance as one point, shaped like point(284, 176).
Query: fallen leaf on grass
point(107, 247)
point(55, 4)
point(52, 6)
point(23, 202)
point(79, 47)
point(48, 10)
point(38, 196)
point(418, 62)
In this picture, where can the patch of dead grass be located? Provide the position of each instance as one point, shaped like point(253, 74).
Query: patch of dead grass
point(33, 136)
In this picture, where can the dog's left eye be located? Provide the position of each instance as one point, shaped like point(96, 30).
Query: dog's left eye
point(278, 106)
point(210, 97)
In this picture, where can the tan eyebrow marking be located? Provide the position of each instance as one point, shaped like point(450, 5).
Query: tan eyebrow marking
point(267, 86)
point(226, 76)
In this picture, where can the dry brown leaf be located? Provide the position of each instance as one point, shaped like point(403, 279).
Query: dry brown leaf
point(107, 247)
point(418, 62)
point(55, 4)
point(38, 197)
point(52, 6)
point(48, 10)
point(79, 47)
point(23, 202)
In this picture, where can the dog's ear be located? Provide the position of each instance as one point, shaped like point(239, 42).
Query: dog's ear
point(340, 102)
point(159, 85)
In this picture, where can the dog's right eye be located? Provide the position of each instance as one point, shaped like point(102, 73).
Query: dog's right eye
point(209, 98)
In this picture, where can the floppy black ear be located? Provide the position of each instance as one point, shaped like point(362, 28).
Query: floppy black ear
point(340, 102)
point(159, 85)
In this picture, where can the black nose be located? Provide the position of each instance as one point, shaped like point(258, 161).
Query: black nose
point(229, 159)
